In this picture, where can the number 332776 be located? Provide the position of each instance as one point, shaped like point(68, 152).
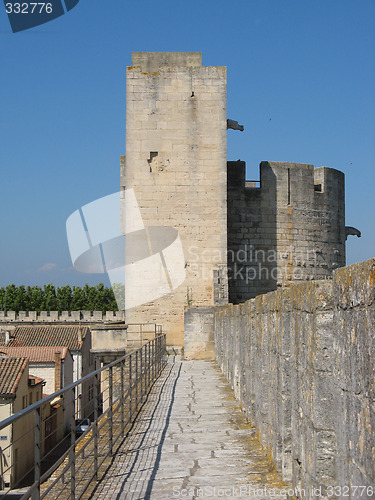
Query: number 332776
point(28, 8)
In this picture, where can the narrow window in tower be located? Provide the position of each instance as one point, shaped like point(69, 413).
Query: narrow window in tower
point(152, 162)
point(288, 186)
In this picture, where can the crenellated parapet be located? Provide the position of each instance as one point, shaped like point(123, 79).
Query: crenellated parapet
point(63, 317)
point(288, 227)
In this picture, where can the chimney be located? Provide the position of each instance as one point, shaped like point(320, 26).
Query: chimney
point(57, 371)
point(79, 334)
point(7, 337)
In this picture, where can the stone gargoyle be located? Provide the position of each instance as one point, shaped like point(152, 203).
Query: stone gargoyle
point(232, 124)
point(352, 231)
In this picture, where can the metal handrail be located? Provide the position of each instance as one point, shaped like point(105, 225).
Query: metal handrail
point(133, 375)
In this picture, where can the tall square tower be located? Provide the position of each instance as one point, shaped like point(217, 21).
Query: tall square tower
point(176, 169)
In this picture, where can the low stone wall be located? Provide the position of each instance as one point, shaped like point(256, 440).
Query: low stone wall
point(302, 362)
point(199, 333)
point(64, 316)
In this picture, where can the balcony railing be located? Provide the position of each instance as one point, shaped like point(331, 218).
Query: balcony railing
point(53, 454)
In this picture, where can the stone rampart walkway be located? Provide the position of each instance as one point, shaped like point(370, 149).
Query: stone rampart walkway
point(189, 441)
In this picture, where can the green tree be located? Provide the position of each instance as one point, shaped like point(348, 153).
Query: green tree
point(98, 298)
point(111, 301)
point(2, 299)
point(78, 299)
point(21, 302)
point(36, 298)
point(64, 298)
point(50, 299)
point(91, 295)
point(10, 298)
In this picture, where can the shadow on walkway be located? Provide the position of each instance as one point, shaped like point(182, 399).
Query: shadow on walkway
point(190, 440)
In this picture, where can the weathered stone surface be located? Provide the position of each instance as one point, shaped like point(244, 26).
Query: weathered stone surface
point(176, 133)
point(152, 61)
point(302, 362)
point(288, 227)
point(109, 337)
point(191, 440)
point(9, 317)
point(199, 333)
point(283, 229)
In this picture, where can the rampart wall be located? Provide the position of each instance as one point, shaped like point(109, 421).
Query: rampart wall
point(64, 316)
point(301, 361)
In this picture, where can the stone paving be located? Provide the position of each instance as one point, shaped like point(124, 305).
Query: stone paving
point(190, 440)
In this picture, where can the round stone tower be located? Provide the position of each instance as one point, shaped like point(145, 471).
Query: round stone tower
point(287, 228)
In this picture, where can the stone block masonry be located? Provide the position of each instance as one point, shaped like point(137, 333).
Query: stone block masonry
point(176, 136)
point(289, 228)
point(190, 440)
point(63, 317)
point(239, 238)
point(302, 362)
point(199, 333)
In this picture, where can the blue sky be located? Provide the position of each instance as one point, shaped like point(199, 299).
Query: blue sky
point(300, 78)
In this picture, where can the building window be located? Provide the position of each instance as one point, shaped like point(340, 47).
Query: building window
point(30, 398)
point(24, 401)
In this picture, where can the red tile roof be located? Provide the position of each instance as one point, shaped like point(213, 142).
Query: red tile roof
point(35, 354)
point(11, 370)
point(38, 380)
point(47, 336)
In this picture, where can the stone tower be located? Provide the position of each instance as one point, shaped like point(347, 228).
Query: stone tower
point(288, 227)
point(194, 226)
point(176, 165)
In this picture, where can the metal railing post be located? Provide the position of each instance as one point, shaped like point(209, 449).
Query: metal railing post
point(153, 359)
point(37, 453)
point(164, 348)
point(122, 399)
point(146, 368)
point(136, 380)
point(110, 411)
point(95, 426)
point(72, 452)
point(1, 469)
point(158, 351)
point(141, 371)
point(130, 388)
point(161, 353)
point(149, 364)
point(157, 356)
